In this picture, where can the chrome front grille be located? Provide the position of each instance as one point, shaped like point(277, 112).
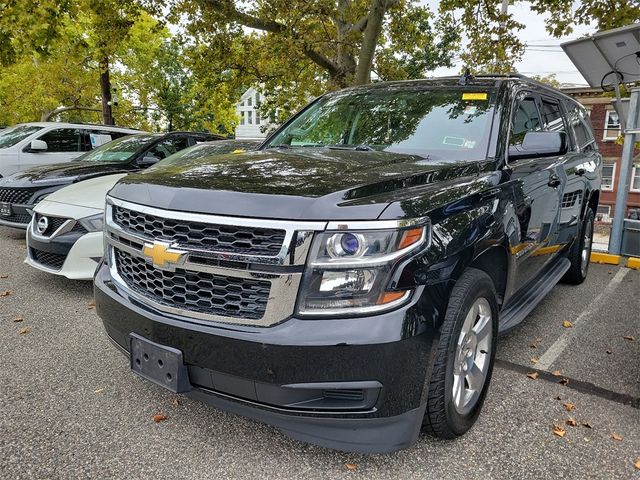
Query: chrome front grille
point(15, 195)
point(220, 269)
point(201, 292)
point(202, 236)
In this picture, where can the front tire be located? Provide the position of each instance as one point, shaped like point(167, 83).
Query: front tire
point(580, 253)
point(465, 356)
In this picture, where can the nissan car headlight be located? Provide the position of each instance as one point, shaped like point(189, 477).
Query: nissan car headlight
point(94, 223)
point(349, 271)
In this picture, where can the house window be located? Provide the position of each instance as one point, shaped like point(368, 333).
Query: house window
point(608, 174)
point(242, 118)
point(635, 178)
point(249, 117)
point(257, 117)
point(611, 125)
point(249, 101)
point(604, 213)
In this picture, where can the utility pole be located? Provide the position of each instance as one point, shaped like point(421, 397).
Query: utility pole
point(624, 178)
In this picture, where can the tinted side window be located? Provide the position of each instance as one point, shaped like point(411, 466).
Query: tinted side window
point(526, 119)
point(168, 147)
point(88, 144)
point(581, 126)
point(63, 140)
point(552, 116)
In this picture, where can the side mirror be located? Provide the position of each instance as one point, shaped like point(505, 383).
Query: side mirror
point(148, 160)
point(38, 146)
point(540, 144)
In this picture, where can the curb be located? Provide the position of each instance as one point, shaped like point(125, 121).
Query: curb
point(608, 259)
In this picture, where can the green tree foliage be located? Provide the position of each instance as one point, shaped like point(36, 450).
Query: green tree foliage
point(493, 42)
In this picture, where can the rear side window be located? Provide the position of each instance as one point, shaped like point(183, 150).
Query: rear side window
point(168, 147)
point(63, 140)
point(581, 126)
point(526, 119)
point(95, 138)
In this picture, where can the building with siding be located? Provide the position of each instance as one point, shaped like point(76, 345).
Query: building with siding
point(251, 124)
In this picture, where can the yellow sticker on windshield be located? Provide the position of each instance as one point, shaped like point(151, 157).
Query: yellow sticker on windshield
point(474, 96)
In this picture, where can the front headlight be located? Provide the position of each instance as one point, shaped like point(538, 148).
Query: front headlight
point(349, 271)
point(94, 223)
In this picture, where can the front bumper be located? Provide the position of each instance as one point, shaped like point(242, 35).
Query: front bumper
point(71, 255)
point(19, 218)
point(355, 384)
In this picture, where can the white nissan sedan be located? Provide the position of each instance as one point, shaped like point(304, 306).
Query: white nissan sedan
point(65, 233)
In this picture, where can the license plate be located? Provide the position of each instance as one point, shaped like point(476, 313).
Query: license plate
point(5, 209)
point(159, 364)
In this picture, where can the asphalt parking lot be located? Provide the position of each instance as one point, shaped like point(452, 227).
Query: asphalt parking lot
point(71, 409)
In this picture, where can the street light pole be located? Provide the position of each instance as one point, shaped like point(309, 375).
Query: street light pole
point(624, 177)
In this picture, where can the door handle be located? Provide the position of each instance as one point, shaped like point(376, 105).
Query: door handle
point(554, 180)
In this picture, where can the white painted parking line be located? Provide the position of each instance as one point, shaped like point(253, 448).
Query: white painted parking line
point(555, 350)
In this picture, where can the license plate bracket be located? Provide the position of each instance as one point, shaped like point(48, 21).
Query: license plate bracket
point(5, 209)
point(159, 364)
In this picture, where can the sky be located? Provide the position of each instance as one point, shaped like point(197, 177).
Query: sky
point(543, 55)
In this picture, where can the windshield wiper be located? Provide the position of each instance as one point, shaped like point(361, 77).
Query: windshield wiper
point(358, 148)
point(282, 146)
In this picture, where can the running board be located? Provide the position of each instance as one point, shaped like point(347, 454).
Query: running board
point(522, 304)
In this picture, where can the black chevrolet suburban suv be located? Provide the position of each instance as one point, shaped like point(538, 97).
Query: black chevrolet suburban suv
point(347, 281)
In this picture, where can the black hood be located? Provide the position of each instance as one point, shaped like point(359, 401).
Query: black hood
point(64, 173)
point(296, 184)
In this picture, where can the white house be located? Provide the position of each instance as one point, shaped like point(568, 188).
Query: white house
point(251, 125)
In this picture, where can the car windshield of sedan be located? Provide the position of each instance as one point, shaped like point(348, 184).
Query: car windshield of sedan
point(121, 150)
point(14, 135)
point(435, 123)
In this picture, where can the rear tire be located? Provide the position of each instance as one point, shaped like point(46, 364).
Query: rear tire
point(465, 356)
point(580, 252)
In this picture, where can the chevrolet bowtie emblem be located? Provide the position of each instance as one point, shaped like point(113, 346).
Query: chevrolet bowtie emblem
point(162, 255)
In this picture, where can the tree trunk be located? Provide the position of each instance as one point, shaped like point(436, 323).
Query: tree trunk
point(105, 88)
point(369, 41)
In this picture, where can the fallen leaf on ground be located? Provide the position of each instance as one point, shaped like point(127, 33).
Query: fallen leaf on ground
point(19, 318)
point(91, 305)
point(351, 466)
point(616, 437)
point(571, 422)
point(558, 397)
point(175, 402)
point(159, 417)
point(100, 390)
point(564, 381)
point(533, 375)
point(534, 360)
point(559, 430)
point(567, 324)
point(24, 330)
point(5, 293)
point(631, 338)
point(609, 351)
point(637, 464)
point(556, 373)
point(586, 425)
point(4, 276)
point(568, 406)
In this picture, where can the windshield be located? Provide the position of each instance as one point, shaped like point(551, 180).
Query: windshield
point(435, 123)
point(121, 150)
point(14, 135)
